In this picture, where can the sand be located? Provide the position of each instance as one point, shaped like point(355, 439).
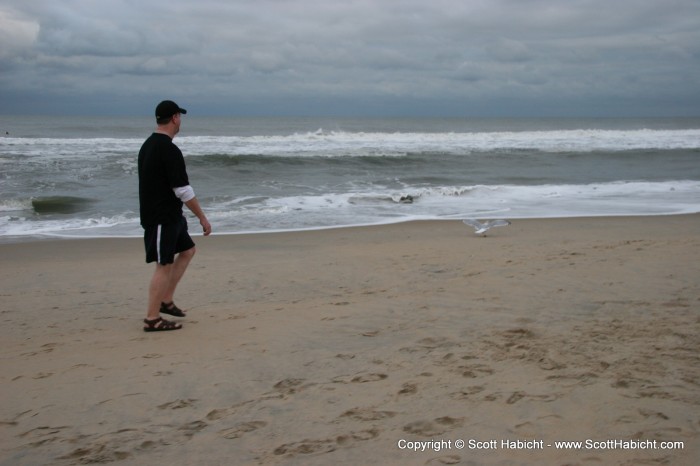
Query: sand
point(357, 346)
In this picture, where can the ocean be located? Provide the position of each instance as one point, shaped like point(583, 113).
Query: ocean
point(77, 176)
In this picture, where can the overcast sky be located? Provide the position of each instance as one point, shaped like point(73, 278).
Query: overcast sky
point(356, 58)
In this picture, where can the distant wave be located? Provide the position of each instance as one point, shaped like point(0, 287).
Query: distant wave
point(362, 144)
point(60, 204)
point(340, 143)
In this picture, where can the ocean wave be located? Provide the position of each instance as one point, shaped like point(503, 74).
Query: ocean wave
point(339, 143)
point(375, 205)
point(540, 200)
point(60, 204)
point(15, 205)
point(449, 202)
point(363, 144)
point(70, 225)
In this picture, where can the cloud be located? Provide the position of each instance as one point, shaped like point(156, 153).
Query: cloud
point(17, 33)
point(337, 56)
point(507, 50)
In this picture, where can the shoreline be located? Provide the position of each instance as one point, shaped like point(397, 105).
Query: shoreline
point(15, 239)
point(332, 346)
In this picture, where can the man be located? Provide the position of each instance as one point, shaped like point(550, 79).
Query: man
point(163, 188)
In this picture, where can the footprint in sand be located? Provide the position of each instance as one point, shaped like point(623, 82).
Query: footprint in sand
point(192, 428)
point(653, 414)
point(152, 356)
point(448, 459)
point(13, 421)
point(408, 389)
point(239, 430)
point(438, 342)
point(548, 423)
point(95, 454)
point(467, 393)
point(308, 446)
point(361, 378)
point(44, 434)
point(426, 345)
point(367, 414)
point(518, 334)
point(518, 395)
point(288, 386)
point(474, 371)
point(47, 348)
point(548, 364)
point(368, 378)
point(432, 428)
point(178, 404)
point(216, 414)
point(641, 415)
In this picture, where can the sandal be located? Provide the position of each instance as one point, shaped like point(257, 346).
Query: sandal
point(171, 309)
point(160, 325)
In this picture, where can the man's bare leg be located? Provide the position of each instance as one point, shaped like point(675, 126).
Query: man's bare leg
point(176, 273)
point(157, 289)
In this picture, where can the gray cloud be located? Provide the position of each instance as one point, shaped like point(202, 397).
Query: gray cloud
point(335, 57)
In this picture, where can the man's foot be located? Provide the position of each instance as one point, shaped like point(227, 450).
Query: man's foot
point(171, 309)
point(160, 325)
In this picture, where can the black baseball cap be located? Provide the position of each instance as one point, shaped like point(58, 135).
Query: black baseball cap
point(168, 108)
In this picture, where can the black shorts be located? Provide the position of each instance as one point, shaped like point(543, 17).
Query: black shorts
point(164, 241)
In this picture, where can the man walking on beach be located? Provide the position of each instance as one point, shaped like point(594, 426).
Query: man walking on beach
point(163, 188)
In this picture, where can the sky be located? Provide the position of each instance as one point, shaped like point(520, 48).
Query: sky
point(471, 58)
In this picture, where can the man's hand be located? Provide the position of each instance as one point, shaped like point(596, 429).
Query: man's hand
point(206, 226)
point(193, 205)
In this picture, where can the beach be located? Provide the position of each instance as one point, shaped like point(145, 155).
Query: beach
point(370, 345)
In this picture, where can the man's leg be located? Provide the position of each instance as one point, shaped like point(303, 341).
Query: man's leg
point(158, 289)
point(177, 270)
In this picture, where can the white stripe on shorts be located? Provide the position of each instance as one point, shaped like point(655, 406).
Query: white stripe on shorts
point(158, 242)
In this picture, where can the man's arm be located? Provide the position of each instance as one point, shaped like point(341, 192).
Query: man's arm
point(193, 205)
point(186, 195)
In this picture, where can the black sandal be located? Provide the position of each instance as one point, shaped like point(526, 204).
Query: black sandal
point(160, 325)
point(171, 309)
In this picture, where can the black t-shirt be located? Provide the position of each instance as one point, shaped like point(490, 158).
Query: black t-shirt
point(161, 168)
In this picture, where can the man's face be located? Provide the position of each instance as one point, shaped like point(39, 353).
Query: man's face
point(176, 122)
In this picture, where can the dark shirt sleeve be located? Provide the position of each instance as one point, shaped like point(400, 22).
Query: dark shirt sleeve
point(175, 168)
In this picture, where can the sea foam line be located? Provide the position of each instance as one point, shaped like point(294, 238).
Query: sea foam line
point(364, 143)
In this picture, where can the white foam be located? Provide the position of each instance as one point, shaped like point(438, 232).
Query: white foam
point(15, 205)
point(340, 143)
point(618, 198)
point(25, 226)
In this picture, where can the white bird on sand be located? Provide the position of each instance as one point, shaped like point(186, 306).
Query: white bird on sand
point(483, 227)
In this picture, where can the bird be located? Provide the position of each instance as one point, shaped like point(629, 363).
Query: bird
point(482, 227)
